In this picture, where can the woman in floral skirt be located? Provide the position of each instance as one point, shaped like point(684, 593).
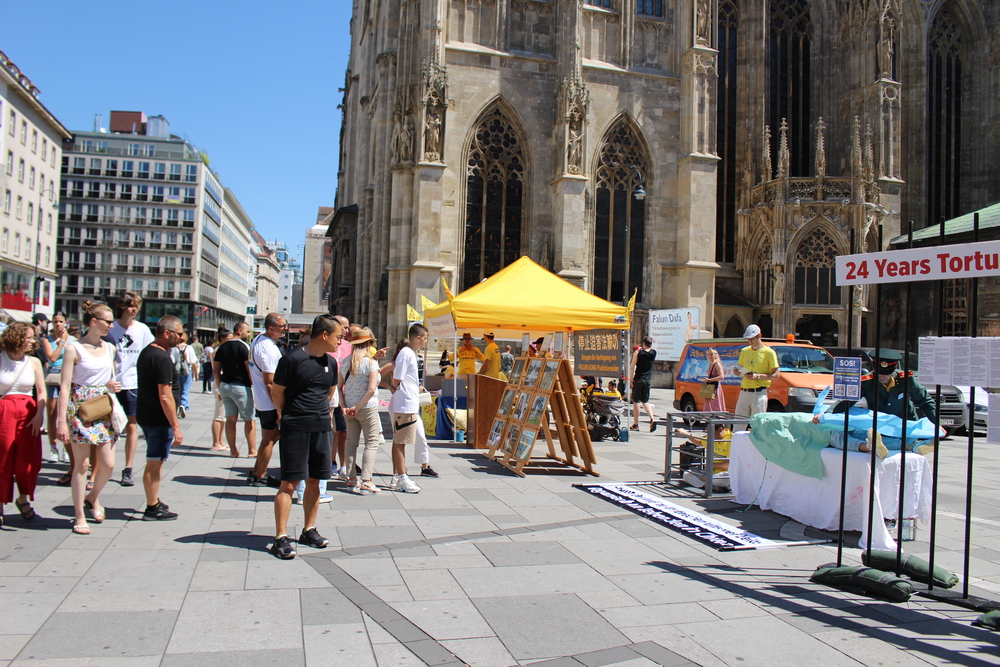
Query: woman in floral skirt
point(715, 376)
point(88, 372)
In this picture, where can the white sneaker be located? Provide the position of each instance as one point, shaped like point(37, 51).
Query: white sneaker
point(406, 485)
point(342, 475)
point(53, 455)
point(325, 498)
point(65, 456)
point(394, 482)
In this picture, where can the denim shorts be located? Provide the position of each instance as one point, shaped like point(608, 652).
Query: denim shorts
point(158, 442)
point(237, 400)
point(128, 397)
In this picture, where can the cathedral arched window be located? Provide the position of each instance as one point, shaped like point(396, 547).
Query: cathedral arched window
point(649, 8)
point(620, 224)
point(789, 76)
point(606, 4)
point(944, 118)
point(815, 260)
point(763, 283)
point(494, 199)
point(726, 121)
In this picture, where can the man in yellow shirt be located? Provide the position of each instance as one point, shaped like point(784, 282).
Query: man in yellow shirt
point(758, 364)
point(491, 358)
point(467, 355)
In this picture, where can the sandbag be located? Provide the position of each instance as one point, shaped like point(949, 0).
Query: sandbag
point(912, 566)
point(876, 582)
point(990, 620)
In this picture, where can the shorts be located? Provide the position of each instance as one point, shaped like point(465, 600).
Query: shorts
point(220, 410)
point(158, 442)
point(268, 419)
point(237, 400)
point(339, 423)
point(404, 426)
point(52, 390)
point(305, 454)
point(640, 391)
point(127, 398)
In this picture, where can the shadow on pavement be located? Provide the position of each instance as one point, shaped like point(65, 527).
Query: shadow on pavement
point(238, 539)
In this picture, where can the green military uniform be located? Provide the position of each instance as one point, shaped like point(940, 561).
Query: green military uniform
point(890, 400)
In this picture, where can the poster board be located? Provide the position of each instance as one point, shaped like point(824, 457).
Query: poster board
point(541, 402)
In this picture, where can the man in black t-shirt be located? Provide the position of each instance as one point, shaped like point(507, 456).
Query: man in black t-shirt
point(156, 410)
point(233, 386)
point(304, 382)
point(641, 376)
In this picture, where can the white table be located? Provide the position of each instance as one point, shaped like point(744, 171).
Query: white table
point(816, 502)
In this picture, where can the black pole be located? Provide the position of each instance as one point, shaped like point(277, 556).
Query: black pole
point(906, 409)
point(843, 462)
point(874, 408)
point(937, 431)
point(971, 427)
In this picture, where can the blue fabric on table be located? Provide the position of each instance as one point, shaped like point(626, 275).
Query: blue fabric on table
point(445, 430)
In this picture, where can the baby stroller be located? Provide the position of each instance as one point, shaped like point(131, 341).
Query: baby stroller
point(604, 416)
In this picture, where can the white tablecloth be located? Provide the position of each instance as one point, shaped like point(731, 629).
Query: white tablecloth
point(816, 502)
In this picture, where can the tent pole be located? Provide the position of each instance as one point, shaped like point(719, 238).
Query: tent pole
point(454, 392)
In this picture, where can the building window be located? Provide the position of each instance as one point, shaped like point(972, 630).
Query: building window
point(191, 173)
point(726, 128)
point(31, 213)
point(78, 165)
point(649, 8)
point(9, 168)
point(127, 168)
point(13, 122)
point(111, 168)
point(133, 149)
point(160, 171)
point(944, 118)
point(31, 178)
point(174, 194)
point(94, 189)
point(45, 148)
point(53, 160)
point(789, 74)
point(34, 141)
point(815, 260)
point(620, 222)
point(48, 228)
point(143, 170)
point(6, 237)
point(95, 166)
point(20, 203)
point(48, 256)
point(27, 249)
point(24, 133)
point(606, 4)
point(17, 245)
point(175, 172)
point(6, 202)
point(158, 193)
point(20, 171)
point(189, 194)
point(173, 217)
point(495, 187)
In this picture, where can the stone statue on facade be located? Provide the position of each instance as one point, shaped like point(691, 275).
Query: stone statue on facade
point(703, 25)
point(432, 133)
point(574, 154)
point(779, 286)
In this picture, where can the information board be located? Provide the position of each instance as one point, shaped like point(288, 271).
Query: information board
point(672, 329)
point(993, 419)
point(847, 378)
point(598, 352)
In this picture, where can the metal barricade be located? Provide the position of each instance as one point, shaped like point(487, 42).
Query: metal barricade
point(710, 420)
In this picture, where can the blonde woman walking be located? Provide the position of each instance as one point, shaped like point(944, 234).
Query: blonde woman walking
point(88, 371)
point(359, 378)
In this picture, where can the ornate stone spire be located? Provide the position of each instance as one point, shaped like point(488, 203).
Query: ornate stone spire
point(856, 165)
point(765, 168)
point(820, 149)
point(869, 155)
point(784, 158)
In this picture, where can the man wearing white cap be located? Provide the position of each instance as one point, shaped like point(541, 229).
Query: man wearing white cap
point(759, 365)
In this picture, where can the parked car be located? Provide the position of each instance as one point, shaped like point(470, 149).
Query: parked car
point(954, 415)
point(805, 369)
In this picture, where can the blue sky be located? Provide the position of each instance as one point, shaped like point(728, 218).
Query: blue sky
point(253, 83)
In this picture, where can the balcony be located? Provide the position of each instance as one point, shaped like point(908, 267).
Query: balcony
point(90, 267)
point(136, 269)
point(121, 268)
point(70, 289)
point(152, 294)
point(154, 269)
point(184, 272)
point(168, 295)
point(109, 195)
point(138, 244)
point(169, 271)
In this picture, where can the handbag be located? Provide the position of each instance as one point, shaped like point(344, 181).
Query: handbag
point(53, 378)
point(708, 391)
point(96, 408)
point(424, 397)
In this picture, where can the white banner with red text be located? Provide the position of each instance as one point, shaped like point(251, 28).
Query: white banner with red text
point(964, 260)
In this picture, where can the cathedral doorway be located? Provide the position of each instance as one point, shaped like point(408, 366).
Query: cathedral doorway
point(620, 225)
point(820, 330)
point(734, 328)
point(494, 199)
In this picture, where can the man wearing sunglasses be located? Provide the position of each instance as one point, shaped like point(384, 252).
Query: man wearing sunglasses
point(264, 357)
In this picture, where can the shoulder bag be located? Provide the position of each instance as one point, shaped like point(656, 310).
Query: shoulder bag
point(707, 391)
point(101, 406)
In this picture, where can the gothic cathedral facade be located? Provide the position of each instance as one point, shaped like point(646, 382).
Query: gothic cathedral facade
point(712, 153)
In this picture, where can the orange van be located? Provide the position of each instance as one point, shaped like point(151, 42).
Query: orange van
point(806, 370)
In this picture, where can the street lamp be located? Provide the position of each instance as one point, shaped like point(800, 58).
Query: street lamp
point(640, 192)
point(37, 280)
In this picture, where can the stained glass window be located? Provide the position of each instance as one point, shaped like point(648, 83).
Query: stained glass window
point(763, 287)
point(815, 260)
point(789, 78)
point(600, 3)
point(649, 7)
point(495, 187)
point(944, 119)
point(620, 223)
point(725, 210)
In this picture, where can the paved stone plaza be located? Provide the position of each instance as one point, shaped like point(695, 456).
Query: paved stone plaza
point(480, 568)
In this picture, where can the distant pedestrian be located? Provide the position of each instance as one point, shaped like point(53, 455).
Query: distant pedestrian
point(264, 358)
point(88, 372)
point(714, 377)
point(359, 379)
point(405, 406)
point(232, 377)
point(506, 361)
point(54, 344)
point(304, 381)
point(219, 418)
point(156, 411)
point(641, 374)
point(130, 337)
point(758, 364)
point(21, 415)
point(205, 358)
point(344, 350)
point(186, 362)
point(491, 358)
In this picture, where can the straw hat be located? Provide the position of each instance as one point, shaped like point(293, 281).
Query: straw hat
point(361, 336)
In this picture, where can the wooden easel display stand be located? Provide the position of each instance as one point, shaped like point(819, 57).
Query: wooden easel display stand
point(541, 399)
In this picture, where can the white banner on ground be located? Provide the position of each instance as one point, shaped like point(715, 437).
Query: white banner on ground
point(965, 260)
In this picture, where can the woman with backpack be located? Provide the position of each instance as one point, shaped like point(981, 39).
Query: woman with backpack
point(186, 364)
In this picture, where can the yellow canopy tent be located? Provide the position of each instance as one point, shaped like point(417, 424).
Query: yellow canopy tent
point(525, 297)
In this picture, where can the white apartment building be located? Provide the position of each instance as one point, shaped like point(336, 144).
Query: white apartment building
point(237, 263)
point(30, 154)
point(142, 211)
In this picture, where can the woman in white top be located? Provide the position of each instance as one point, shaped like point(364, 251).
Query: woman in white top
point(359, 378)
point(53, 345)
point(20, 417)
point(88, 371)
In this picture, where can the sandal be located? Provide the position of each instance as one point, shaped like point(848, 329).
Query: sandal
point(65, 480)
point(98, 516)
point(27, 512)
point(81, 529)
point(90, 486)
point(368, 489)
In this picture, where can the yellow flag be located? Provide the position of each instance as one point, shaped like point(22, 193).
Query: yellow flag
point(426, 303)
point(631, 306)
point(451, 297)
point(412, 315)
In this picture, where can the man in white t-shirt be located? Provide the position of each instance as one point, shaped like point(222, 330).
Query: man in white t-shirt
point(264, 357)
point(130, 337)
point(405, 405)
